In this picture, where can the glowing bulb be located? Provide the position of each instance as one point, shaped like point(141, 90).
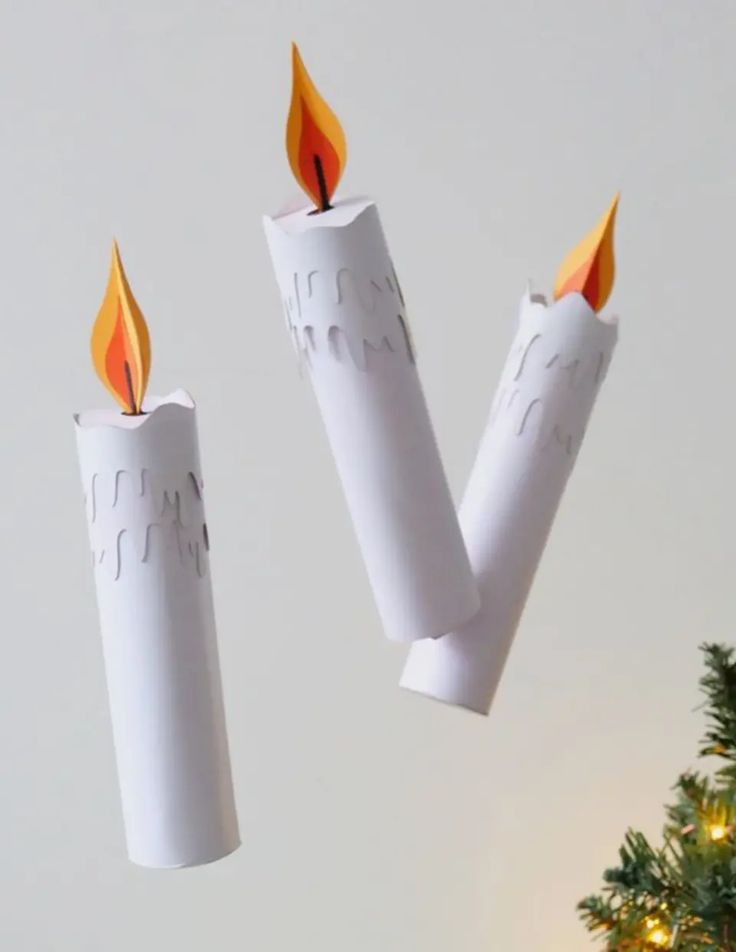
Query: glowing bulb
point(717, 832)
point(659, 936)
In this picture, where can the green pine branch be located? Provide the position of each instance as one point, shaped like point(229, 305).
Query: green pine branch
point(719, 686)
point(681, 895)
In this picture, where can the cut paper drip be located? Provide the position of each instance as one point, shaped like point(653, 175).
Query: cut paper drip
point(315, 305)
point(536, 356)
point(134, 515)
point(339, 345)
point(142, 488)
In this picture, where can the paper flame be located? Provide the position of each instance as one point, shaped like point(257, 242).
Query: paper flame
point(315, 142)
point(590, 267)
point(121, 348)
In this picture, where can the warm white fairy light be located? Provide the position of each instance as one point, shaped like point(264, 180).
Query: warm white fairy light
point(657, 935)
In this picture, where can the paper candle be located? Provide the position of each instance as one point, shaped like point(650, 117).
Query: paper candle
point(347, 319)
point(143, 489)
point(538, 417)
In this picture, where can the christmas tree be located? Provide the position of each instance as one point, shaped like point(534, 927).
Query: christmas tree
point(682, 894)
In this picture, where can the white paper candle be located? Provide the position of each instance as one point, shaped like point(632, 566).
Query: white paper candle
point(538, 418)
point(143, 491)
point(348, 322)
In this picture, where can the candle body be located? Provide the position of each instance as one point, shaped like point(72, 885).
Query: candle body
point(143, 494)
point(348, 323)
point(541, 408)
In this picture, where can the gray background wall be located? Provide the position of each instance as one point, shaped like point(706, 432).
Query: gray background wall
point(493, 134)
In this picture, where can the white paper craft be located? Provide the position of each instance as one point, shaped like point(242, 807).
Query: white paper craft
point(143, 489)
point(547, 391)
point(348, 323)
point(143, 495)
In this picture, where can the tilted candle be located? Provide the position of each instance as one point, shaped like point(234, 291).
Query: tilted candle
point(347, 319)
point(538, 418)
point(143, 487)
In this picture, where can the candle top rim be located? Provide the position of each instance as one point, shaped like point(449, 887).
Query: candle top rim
point(296, 217)
point(570, 304)
point(178, 399)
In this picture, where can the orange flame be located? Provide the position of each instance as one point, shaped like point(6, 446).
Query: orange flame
point(315, 142)
point(590, 267)
point(121, 349)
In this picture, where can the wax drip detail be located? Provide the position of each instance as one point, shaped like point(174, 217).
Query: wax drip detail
point(320, 315)
point(132, 515)
point(530, 400)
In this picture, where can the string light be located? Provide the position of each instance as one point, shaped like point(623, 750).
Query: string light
point(718, 832)
point(657, 935)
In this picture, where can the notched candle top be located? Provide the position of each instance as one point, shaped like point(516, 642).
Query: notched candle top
point(315, 142)
point(590, 268)
point(121, 348)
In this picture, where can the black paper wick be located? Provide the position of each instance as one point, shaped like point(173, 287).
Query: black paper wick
point(324, 198)
point(131, 396)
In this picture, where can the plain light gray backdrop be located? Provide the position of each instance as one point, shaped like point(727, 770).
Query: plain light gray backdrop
point(493, 136)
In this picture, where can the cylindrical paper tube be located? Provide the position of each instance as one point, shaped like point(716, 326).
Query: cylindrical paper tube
point(143, 489)
point(547, 391)
point(348, 323)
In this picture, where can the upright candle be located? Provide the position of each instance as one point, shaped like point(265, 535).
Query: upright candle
point(538, 418)
point(347, 319)
point(143, 488)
